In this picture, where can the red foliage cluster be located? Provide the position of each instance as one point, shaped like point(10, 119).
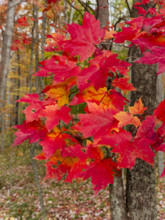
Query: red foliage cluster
point(80, 124)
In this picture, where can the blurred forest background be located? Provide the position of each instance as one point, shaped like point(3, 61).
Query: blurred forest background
point(25, 29)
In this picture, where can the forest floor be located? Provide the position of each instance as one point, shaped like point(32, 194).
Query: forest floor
point(19, 196)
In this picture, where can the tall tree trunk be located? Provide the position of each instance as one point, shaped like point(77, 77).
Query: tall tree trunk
point(65, 11)
point(140, 192)
point(6, 47)
point(18, 88)
point(32, 51)
point(71, 14)
point(33, 146)
point(6, 50)
point(36, 49)
point(37, 182)
point(160, 98)
point(43, 41)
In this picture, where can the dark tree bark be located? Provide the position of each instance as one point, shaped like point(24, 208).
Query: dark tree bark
point(140, 192)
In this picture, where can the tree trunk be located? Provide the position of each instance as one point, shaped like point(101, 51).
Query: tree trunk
point(43, 41)
point(6, 50)
point(117, 201)
point(71, 14)
point(37, 181)
point(33, 146)
point(160, 98)
point(140, 192)
point(102, 13)
point(6, 47)
point(32, 52)
point(36, 48)
point(18, 82)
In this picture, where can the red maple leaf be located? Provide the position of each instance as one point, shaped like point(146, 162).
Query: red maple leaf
point(35, 106)
point(60, 66)
point(122, 83)
point(98, 121)
point(52, 1)
point(100, 67)
point(147, 129)
point(129, 149)
point(160, 111)
point(76, 150)
point(53, 141)
point(99, 169)
point(32, 131)
point(163, 173)
point(55, 43)
point(22, 21)
point(55, 173)
point(84, 38)
point(101, 173)
point(127, 33)
point(53, 114)
point(156, 55)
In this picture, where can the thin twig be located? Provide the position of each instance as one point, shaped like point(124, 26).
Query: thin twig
point(17, 3)
point(74, 7)
point(118, 21)
point(128, 7)
point(86, 6)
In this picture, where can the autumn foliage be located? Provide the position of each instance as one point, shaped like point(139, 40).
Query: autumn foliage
point(86, 129)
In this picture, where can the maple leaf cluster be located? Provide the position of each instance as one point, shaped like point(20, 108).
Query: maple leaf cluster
point(80, 123)
point(147, 33)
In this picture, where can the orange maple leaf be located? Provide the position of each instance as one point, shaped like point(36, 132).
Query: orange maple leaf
point(109, 34)
point(126, 118)
point(138, 108)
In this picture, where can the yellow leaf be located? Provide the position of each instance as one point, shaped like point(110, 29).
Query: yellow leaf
point(61, 91)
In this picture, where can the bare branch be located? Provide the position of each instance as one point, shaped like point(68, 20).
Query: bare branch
point(87, 7)
point(74, 7)
point(16, 3)
point(128, 7)
point(118, 21)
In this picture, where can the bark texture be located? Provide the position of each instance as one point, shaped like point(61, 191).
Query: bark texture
point(43, 42)
point(141, 193)
point(6, 47)
point(18, 82)
point(103, 12)
point(4, 67)
point(117, 200)
point(160, 98)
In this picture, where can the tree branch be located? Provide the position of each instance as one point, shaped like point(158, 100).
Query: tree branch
point(128, 7)
point(85, 6)
point(74, 7)
point(16, 3)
